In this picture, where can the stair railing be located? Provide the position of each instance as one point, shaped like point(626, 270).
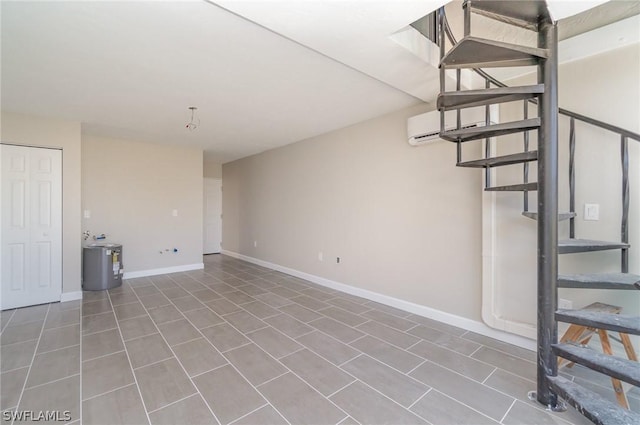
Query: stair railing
point(624, 134)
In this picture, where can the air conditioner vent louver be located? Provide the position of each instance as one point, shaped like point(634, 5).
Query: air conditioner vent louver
point(425, 128)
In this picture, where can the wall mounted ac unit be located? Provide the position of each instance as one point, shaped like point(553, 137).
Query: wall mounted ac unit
point(424, 129)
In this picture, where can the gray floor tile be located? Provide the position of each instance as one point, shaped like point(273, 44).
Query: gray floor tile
point(338, 330)
point(222, 306)
point(203, 318)
point(395, 385)
point(349, 305)
point(129, 311)
point(274, 300)
point(21, 333)
point(192, 410)
point(444, 339)
point(288, 325)
point(523, 414)
point(310, 303)
point(370, 407)
point(317, 372)
point(155, 300)
point(501, 346)
point(303, 314)
point(274, 342)
point(329, 348)
point(57, 319)
point(224, 337)
point(105, 374)
point(198, 356)
point(175, 292)
point(254, 364)
point(434, 324)
point(192, 286)
point(319, 294)
point(54, 365)
point(387, 353)
point(299, 403)
point(168, 313)
point(238, 297)
point(251, 290)
point(29, 314)
point(389, 320)
point(206, 295)
point(507, 362)
point(12, 383)
point(65, 306)
point(120, 407)
point(145, 291)
point(439, 409)
point(238, 398)
point(63, 395)
point(266, 415)
point(53, 339)
point(147, 349)
point(98, 323)
point(260, 309)
point(101, 343)
point(343, 316)
point(18, 355)
point(187, 303)
point(88, 296)
point(96, 307)
point(135, 328)
point(390, 335)
point(462, 364)
point(284, 292)
point(163, 383)
point(244, 321)
point(511, 384)
point(124, 297)
point(465, 390)
point(388, 309)
point(178, 331)
point(5, 317)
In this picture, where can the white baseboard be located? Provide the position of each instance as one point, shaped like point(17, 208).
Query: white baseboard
point(164, 270)
point(420, 310)
point(70, 296)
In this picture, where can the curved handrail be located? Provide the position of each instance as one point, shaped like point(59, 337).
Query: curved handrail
point(621, 131)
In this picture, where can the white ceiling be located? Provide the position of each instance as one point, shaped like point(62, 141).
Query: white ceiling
point(262, 73)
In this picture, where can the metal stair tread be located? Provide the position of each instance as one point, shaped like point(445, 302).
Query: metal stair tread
point(597, 409)
point(600, 281)
point(475, 133)
point(616, 367)
point(601, 320)
point(521, 187)
point(561, 216)
point(475, 52)
point(571, 246)
point(516, 158)
point(471, 98)
point(523, 14)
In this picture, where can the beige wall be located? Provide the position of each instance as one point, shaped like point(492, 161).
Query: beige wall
point(131, 189)
point(212, 169)
point(404, 221)
point(605, 87)
point(42, 132)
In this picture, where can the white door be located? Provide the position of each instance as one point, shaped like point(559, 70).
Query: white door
point(31, 216)
point(212, 216)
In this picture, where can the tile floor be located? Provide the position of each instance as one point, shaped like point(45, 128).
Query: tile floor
point(241, 344)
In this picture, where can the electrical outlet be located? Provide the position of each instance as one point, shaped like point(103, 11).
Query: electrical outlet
point(337, 260)
point(592, 212)
point(174, 213)
point(565, 304)
point(87, 213)
point(255, 244)
point(320, 256)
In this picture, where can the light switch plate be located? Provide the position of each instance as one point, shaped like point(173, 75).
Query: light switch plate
point(592, 212)
point(87, 214)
